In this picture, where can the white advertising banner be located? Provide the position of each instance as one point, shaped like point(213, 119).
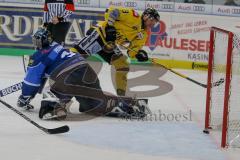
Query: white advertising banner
point(140, 5)
point(193, 8)
point(187, 35)
point(226, 10)
point(160, 6)
point(87, 3)
point(78, 3)
point(26, 1)
point(180, 36)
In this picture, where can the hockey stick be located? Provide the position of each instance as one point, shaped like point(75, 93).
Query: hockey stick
point(153, 60)
point(25, 61)
point(11, 89)
point(214, 84)
point(17, 87)
point(57, 130)
point(24, 66)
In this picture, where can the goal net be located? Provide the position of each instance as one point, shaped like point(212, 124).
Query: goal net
point(223, 101)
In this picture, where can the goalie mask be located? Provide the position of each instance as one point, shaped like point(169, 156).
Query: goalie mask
point(41, 38)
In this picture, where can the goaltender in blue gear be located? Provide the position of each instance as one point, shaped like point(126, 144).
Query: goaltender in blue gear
point(69, 76)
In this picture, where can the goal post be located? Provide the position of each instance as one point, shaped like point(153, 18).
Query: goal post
point(223, 101)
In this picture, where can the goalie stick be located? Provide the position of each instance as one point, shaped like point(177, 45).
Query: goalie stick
point(57, 130)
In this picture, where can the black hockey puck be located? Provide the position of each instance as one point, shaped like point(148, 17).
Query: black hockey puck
point(206, 131)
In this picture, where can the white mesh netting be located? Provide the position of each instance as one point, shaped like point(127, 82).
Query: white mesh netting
point(233, 132)
point(219, 71)
point(217, 93)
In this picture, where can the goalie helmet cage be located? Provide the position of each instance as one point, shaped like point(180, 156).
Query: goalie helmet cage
point(222, 102)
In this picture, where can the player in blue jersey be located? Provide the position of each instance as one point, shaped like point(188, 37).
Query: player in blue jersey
point(69, 76)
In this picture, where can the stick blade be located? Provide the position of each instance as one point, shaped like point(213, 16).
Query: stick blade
point(218, 83)
point(62, 129)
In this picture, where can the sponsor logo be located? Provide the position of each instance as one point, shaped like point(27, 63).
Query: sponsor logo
point(197, 65)
point(167, 6)
point(199, 8)
point(197, 57)
point(95, 48)
point(223, 10)
point(17, 28)
point(130, 4)
point(115, 3)
point(36, 0)
point(185, 8)
point(82, 2)
point(11, 89)
point(235, 11)
point(162, 54)
point(91, 38)
point(156, 34)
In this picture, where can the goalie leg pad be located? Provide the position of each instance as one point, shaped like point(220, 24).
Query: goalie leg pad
point(51, 110)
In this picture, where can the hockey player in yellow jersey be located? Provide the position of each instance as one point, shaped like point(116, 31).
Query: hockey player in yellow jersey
point(122, 27)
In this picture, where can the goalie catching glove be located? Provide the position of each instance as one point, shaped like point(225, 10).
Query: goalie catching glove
point(142, 56)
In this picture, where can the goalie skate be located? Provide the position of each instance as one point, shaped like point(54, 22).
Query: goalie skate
point(52, 108)
point(52, 111)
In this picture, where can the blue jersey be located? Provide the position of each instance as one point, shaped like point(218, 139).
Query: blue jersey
point(42, 63)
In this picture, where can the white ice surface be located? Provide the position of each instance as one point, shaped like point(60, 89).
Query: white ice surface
point(109, 138)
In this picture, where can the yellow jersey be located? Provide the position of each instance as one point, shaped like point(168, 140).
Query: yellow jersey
point(128, 24)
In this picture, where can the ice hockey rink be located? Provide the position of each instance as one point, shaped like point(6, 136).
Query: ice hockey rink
point(110, 138)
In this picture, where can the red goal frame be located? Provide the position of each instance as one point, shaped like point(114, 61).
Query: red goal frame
point(227, 77)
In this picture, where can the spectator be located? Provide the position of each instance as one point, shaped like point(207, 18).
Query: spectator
point(195, 1)
point(230, 3)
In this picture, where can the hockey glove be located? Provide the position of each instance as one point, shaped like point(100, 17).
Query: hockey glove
point(111, 33)
point(23, 102)
point(142, 56)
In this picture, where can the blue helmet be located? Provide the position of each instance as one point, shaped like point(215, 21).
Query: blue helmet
point(41, 38)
